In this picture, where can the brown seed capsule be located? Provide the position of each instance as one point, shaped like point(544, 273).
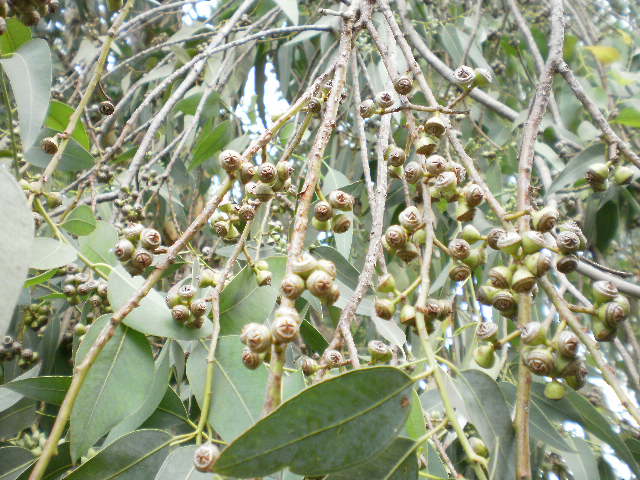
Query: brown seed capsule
point(410, 219)
point(403, 85)
point(367, 108)
point(205, 457)
point(538, 263)
point(413, 172)
point(611, 314)
point(256, 336)
point(460, 272)
point(332, 358)
point(199, 307)
point(493, 236)
point(308, 365)
point(396, 236)
point(380, 352)
point(150, 238)
point(284, 329)
point(141, 258)
point(500, 276)
point(567, 263)
point(426, 144)
point(319, 283)
point(533, 333)
point(322, 211)
point(464, 75)
point(124, 249)
point(473, 194)
point(545, 219)
point(459, 248)
point(384, 308)
point(504, 301)
point(247, 171)
point(340, 200)
point(251, 360)
point(435, 126)
point(567, 344)
point(435, 164)
point(230, 160)
point(106, 108)
point(395, 155)
point(568, 242)
point(539, 360)
point(292, 286)
point(180, 313)
point(49, 145)
point(341, 223)
point(314, 104)
point(384, 99)
point(523, 280)
point(487, 331)
point(267, 173)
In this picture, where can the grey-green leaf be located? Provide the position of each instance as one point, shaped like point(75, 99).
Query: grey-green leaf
point(45, 389)
point(80, 221)
point(98, 245)
point(108, 394)
point(321, 430)
point(577, 167)
point(14, 461)
point(49, 253)
point(179, 466)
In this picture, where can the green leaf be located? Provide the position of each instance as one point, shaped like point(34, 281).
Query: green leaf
point(313, 339)
point(583, 462)
point(397, 462)
point(135, 456)
point(98, 245)
point(74, 158)
point(629, 117)
point(8, 397)
point(210, 142)
point(152, 316)
point(179, 466)
point(38, 279)
point(238, 393)
point(29, 72)
point(80, 221)
point(58, 119)
point(14, 461)
point(47, 253)
point(45, 389)
point(606, 225)
point(416, 426)
point(604, 54)
point(577, 167)
point(170, 412)
point(16, 241)
point(61, 462)
point(108, 393)
point(322, 429)
point(242, 301)
point(17, 418)
point(16, 35)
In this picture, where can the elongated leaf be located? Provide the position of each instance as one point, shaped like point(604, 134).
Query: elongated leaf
point(61, 462)
point(98, 246)
point(170, 412)
point(16, 240)
point(14, 461)
point(49, 253)
point(29, 71)
point(9, 397)
point(243, 301)
point(211, 142)
point(135, 456)
point(629, 117)
point(45, 389)
point(577, 167)
point(58, 119)
point(416, 426)
point(603, 53)
point(238, 393)
point(179, 466)
point(17, 418)
point(583, 462)
point(152, 316)
point(74, 158)
point(16, 35)
point(80, 221)
point(313, 339)
point(108, 394)
point(38, 279)
point(330, 419)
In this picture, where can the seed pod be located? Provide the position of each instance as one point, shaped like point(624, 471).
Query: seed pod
point(396, 236)
point(538, 263)
point(413, 172)
point(132, 232)
point(510, 243)
point(459, 171)
point(230, 160)
point(308, 365)
point(150, 238)
point(410, 219)
point(500, 276)
point(523, 280)
point(247, 171)
point(459, 272)
point(470, 234)
point(623, 175)
point(566, 263)
point(597, 173)
point(435, 126)
point(408, 315)
point(199, 307)
point(106, 108)
point(435, 164)
point(486, 294)
point(314, 104)
point(533, 333)
point(49, 145)
point(603, 332)
point(284, 329)
point(341, 223)
point(464, 76)
point(477, 256)
point(304, 265)
point(319, 283)
point(611, 314)
point(327, 266)
point(384, 99)
point(292, 286)
point(408, 252)
point(459, 248)
point(180, 313)
point(141, 258)
point(487, 331)
point(251, 360)
point(332, 297)
point(504, 301)
point(568, 242)
point(379, 351)
point(539, 360)
point(256, 336)
point(403, 85)
point(485, 355)
point(263, 278)
point(445, 185)
point(576, 377)
point(604, 291)
point(555, 390)
point(545, 219)
point(567, 344)
point(426, 144)
point(205, 457)
point(367, 108)
point(247, 212)
point(186, 292)
point(385, 308)
point(124, 250)
point(332, 358)
point(493, 236)
point(340, 200)
point(322, 211)
point(624, 303)
point(267, 173)
point(438, 308)
point(69, 290)
point(395, 155)
point(532, 242)
point(87, 287)
point(263, 192)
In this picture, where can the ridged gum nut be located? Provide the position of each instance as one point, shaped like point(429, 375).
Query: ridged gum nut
point(284, 329)
point(500, 276)
point(106, 108)
point(124, 249)
point(150, 238)
point(539, 360)
point(470, 234)
point(292, 286)
point(319, 283)
point(141, 258)
point(380, 352)
point(49, 145)
point(314, 104)
point(577, 377)
point(340, 200)
point(446, 183)
point(624, 303)
point(486, 294)
point(263, 278)
point(396, 236)
point(419, 237)
point(459, 171)
point(538, 263)
point(341, 223)
point(523, 280)
point(532, 242)
point(426, 144)
point(435, 164)
point(487, 331)
point(199, 307)
point(459, 248)
point(567, 344)
point(408, 252)
point(408, 315)
point(413, 172)
point(304, 265)
point(568, 242)
point(464, 76)
point(247, 172)
point(230, 160)
point(327, 266)
point(308, 365)
point(510, 243)
point(332, 297)
point(533, 334)
point(545, 219)
point(263, 192)
point(410, 219)
point(623, 175)
point(555, 390)
point(322, 211)
point(566, 263)
point(459, 272)
point(251, 360)
point(205, 457)
point(267, 173)
point(384, 99)
point(261, 265)
point(186, 292)
point(504, 301)
point(485, 355)
point(435, 126)
point(385, 308)
point(132, 232)
point(602, 332)
point(597, 173)
point(436, 308)
point(493, 236)
point(247, 212)
point(180, 313)
point(69, 290)
point(367, 108)
point(477, 256)
point(403, 85)
point(604, 291)
point(221, 227)
point(256, 336)
point(611, 314)
point(332, 358)
point(473, 195)
point(395, 155)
